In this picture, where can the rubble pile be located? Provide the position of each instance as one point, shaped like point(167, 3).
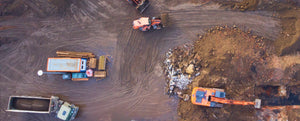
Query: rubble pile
point(180, 68)
point(184, 63)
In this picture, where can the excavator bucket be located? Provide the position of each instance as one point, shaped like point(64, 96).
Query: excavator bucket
point(142, 7)
point(164, 19)
point(257, 103)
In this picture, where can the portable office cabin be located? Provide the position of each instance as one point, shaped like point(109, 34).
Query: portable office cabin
point(66, 65)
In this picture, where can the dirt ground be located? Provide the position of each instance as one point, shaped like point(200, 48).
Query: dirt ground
point(237, 62)
point(32, 30)
point(285, 10)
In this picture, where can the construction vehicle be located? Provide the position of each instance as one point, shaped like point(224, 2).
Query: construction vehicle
point(77, 66)
point(140, 5)
point(146, 24)
point(214, 97)
point(53, 105)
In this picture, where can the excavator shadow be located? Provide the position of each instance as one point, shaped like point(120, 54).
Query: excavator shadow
point(278, 95)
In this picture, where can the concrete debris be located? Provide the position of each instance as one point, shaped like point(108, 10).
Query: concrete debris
point(181, 81)
point(178, 76)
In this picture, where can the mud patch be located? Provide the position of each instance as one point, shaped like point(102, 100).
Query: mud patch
point(39, 8)
point(12, 7)
point(4, 41)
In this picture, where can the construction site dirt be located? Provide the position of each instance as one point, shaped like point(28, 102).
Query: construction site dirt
point(253, 47)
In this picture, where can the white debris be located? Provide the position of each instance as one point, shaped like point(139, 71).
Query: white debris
point(175, 76)
point(197, 74)
point(182, 82)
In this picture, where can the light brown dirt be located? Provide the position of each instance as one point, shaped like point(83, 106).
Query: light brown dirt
point(285, 10)
point(237, 62)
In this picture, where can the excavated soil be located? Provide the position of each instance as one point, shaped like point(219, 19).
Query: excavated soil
point(236, 61)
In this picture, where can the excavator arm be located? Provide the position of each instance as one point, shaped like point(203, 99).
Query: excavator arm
point(234, 102)
point(256, 104)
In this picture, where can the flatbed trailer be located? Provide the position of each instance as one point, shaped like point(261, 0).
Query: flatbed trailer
point(77, 66)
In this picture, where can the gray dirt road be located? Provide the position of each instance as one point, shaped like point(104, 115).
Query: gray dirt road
point(134, 87)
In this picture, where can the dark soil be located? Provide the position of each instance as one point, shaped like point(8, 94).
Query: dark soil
point(237, 62)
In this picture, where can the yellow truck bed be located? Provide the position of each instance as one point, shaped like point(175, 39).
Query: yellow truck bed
point(102, 63)
point(101, 74)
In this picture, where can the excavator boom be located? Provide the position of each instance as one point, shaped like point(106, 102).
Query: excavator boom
point(234, 102)
point(214, 97)
point(256, 104)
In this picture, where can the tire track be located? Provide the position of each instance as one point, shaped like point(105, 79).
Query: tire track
point(134, 87)
point(263, 25)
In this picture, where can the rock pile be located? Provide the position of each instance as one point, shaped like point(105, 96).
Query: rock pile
point(180, 66)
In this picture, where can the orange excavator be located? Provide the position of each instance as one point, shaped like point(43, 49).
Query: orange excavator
point(140, 5)
point(214, 97)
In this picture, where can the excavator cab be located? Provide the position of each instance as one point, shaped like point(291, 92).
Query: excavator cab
point(203, 96)
point(140, 5)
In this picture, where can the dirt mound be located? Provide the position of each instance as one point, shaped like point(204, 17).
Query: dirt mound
point(285, 10)
point(228, 58)
point(243, 5)
point(247, 5)
point(182, 2)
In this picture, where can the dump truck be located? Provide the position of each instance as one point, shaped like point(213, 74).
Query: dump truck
point(77, 66)
point(214, 97)
point(53, 105)
point(140, 5)
point(147, 24)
